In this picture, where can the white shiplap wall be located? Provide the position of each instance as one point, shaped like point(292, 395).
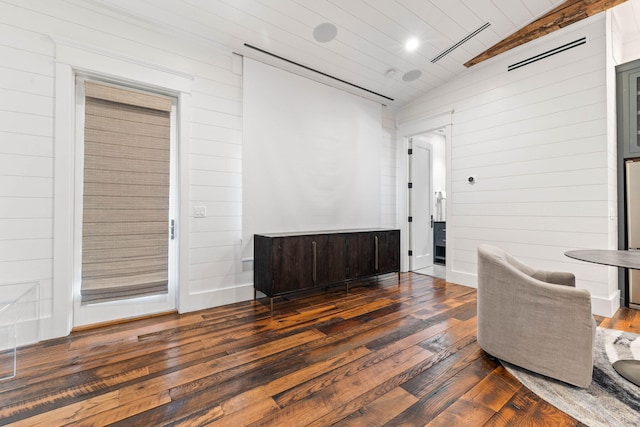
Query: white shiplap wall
point(216, 274)
point(389, 172)
point(26, 158)
point(536, 141)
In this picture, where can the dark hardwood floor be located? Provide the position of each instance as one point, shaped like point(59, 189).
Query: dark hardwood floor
point(387, 353)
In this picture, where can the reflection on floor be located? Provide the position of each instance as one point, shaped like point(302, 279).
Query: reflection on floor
point(436, 270)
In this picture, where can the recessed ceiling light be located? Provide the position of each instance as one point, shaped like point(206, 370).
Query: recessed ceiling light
point(411, 44)
point(412, 75)
point(325, 32)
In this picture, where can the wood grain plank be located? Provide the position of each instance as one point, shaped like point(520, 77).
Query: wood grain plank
point(432, 404)
point(200, 372)
point(66, 414)
point(481, 403)
point(125, 409)
point(515, 410)
point(54, 398)
point(340, 385)
point(239, 410)
point(383, 388)
point(462, 413)
point(380, 411)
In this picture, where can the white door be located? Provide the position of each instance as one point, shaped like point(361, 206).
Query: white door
point(126, 268)
point(420, 201)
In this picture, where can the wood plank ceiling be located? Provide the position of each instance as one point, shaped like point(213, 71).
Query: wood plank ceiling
point(368, 49)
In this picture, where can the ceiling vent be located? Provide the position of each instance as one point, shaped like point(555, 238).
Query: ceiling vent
point(460, 43)
point(547, 54)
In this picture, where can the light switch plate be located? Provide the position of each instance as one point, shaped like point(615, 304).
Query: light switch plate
point(199, 211)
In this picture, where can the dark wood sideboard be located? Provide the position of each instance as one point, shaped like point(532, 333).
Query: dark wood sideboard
point(289, 262)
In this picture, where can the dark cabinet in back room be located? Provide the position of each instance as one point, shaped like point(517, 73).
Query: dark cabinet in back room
point(286, 262)
point(439, 242)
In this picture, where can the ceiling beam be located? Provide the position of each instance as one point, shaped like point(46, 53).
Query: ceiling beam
point(567, 13)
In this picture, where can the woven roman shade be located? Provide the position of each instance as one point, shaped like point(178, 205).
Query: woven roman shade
point(126, 193)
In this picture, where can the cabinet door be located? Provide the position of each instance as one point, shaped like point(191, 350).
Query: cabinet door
point(361, 255)
point(634, 113)
point(387, 251)
point(292, 259)
point(331, 258)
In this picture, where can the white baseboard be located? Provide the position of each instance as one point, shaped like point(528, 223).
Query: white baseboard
point(217, 297)
point(606, 307)
point(460, 278)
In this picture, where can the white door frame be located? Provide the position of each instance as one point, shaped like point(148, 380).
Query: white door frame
point(405, 130)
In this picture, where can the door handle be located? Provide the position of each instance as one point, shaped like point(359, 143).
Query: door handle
point(375, 238)
point(172, 229)
point(315, 260)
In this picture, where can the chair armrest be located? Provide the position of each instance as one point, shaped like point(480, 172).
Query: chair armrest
point(556, 277)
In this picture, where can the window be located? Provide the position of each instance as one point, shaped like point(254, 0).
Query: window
point(126, 193)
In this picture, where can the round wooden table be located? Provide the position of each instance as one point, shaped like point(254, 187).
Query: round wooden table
point(628, 369)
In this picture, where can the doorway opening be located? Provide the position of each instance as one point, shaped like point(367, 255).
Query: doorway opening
point(427, 203)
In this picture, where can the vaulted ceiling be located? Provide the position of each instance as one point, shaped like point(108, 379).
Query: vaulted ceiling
point(368, 49)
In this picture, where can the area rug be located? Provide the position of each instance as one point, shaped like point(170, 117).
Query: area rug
point(610, 400)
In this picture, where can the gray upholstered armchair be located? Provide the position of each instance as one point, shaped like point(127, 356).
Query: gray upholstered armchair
point(534, 319)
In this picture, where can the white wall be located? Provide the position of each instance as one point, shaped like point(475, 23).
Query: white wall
point(318, 146)
point(625, 29)
point(213, 273)
point(389, 172)
point(536, 141)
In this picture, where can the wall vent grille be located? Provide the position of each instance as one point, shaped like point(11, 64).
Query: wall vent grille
point(547, 54)
point(460, 43)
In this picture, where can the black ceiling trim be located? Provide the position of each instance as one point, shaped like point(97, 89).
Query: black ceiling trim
point(547, 54)
point(266, 52)
point(461, 42)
